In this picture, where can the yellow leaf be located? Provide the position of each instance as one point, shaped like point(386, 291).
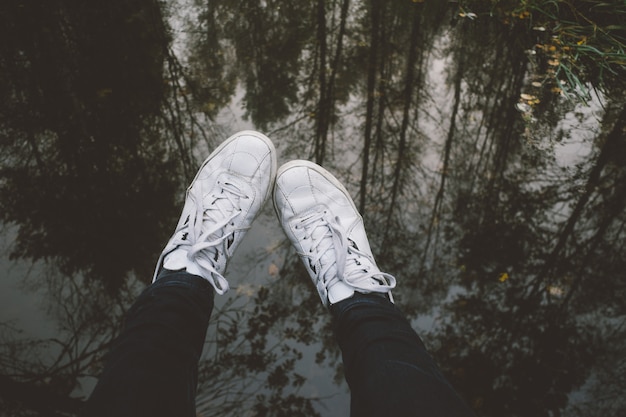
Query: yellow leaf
point(555, 290)
point(273, 269)
point(104, 92)
point(246, 289)
point(503, 277)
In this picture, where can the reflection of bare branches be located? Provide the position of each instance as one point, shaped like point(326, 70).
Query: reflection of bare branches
point(604, 392)
point(447, 150)
point(89, 321)
point(42, 374)
point(613, 142)
point(411, 80)
point(371, 97)
point(16, 355)
point(326, 101)
point(182, 122)
point(251, 356)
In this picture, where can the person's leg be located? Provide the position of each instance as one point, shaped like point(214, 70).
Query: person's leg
point(386, 364)
point(152, 367)
point(387, 367)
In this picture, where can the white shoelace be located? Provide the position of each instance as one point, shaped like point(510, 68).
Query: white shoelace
point(208, 249)
point(347, 263)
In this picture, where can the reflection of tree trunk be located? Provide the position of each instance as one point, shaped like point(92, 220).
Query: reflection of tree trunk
point(501, 132)
point(485, 123)
point(371, 97)
point(175, 121)
point(610, 146)
point(36, 154)
point(409, 86)
point(380, 101)
point(339, 48)
point(326, 103)
point(501, 94)
point(511, 94)
point(615, 207)
point(446, 158)
point(322, 123)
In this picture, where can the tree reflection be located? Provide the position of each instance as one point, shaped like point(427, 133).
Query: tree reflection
point(251, 359)
point(258, 43)
point(81, 86)
point(513, 246)
point(97, 131)
point(517, 339)
point(41, 375)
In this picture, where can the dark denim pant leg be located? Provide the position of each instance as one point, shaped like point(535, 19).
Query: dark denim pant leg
point(152, 367)
point(387, 367)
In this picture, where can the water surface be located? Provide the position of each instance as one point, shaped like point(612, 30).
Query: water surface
point(497, 203)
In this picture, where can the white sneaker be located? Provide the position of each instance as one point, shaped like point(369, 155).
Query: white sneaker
point(227, 194)
point(323, 224)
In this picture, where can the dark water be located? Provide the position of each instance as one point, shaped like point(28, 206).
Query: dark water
point(498, 204)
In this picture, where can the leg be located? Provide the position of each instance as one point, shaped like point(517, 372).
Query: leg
point(386, 364)
point(153, 365)
point(387, 367)
point(151, 369)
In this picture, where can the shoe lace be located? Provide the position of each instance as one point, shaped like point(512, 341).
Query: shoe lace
point(339, 257)
point(210, 232)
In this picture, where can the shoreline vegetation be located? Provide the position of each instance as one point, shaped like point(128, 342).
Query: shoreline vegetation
point(576, 46)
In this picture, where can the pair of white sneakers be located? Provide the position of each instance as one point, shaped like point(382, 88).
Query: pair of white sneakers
point(313, 207)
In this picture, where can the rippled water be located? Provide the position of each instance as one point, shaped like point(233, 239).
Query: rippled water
point(498, 204)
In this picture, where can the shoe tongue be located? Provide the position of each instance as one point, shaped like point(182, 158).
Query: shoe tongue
point(329, 258)
point(221, 200)
point(319, 232)
point(218, 203)
point(340, 291)
point(218, 209)
point(175, 260)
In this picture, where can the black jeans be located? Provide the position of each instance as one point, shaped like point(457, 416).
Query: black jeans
point(152, 367)
point(387, 367)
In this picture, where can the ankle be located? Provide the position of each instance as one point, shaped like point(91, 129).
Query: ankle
point(361, 300)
